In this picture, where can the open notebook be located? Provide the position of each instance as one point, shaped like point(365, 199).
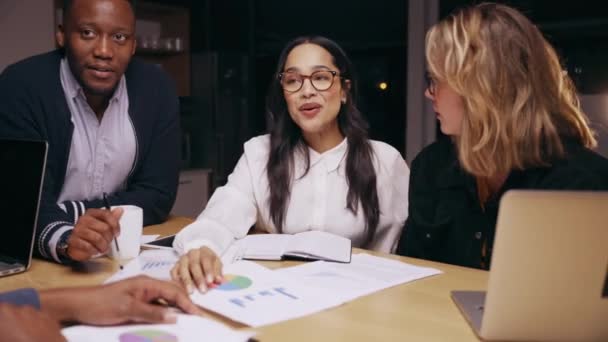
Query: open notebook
point(312, 245)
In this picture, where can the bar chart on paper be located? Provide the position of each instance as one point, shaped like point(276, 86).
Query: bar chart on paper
point(157, 264)
point(261, 296)
point(255, 295)
point(234, 282)
point(153, 263)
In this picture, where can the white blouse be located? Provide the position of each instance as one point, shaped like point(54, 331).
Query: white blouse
point(317, 202)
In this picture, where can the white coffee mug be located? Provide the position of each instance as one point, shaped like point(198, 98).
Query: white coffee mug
point(129, 240)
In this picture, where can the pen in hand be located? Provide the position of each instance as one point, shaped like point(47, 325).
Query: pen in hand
point(107, 205)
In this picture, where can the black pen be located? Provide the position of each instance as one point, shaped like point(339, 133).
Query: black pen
point(107, 204)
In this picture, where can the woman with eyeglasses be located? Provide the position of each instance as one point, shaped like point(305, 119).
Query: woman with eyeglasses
point(512, 121)
point(316, 170)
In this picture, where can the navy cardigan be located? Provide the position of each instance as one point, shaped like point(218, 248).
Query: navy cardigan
point(33, 106)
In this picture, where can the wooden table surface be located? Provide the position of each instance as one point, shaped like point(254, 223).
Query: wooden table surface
point(418, 311)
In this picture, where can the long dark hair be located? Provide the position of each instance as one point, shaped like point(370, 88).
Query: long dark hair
point(286, 140)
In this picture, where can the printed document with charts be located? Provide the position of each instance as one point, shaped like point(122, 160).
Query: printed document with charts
point(312, 245)
point(157, 263)
point(255, 295)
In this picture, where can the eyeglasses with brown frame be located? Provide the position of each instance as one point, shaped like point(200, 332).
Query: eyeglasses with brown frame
point(321, 80)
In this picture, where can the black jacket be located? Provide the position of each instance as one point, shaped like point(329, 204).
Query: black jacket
point(446, 222)
point(33, 106)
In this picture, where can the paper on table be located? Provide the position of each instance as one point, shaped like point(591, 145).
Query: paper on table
point(364, 275)
point(156, 263)
point(149, 238)
point(255, 295)
point(187, 328)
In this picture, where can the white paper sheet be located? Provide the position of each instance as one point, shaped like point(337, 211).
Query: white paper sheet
point(148, 238)
point(156, 263)
point(364, 275)
point(188, 328)
point(255, 295)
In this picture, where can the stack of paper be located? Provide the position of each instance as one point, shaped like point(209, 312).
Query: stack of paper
point(364, 275)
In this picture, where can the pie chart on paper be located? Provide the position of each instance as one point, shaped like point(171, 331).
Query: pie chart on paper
point(149, 335)
point(234, 282)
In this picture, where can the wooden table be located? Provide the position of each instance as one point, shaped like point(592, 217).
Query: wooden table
point(417, 311)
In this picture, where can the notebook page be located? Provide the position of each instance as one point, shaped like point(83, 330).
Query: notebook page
point(320, 245)
point(263, 246)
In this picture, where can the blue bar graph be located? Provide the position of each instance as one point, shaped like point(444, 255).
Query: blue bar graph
point(157, 264)
point(242, 301)
point(238, 302)
point(282, 291)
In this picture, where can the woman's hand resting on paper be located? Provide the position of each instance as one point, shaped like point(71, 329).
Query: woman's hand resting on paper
point(200, 268)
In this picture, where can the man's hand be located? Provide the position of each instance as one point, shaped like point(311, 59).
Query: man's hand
point(130, 300)
point(24, 323)
point(93, 233)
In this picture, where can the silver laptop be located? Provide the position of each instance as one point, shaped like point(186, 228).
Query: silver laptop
point(22, 166)
point(549, 271)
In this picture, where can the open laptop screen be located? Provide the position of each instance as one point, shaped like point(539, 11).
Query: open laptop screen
point(22, 165)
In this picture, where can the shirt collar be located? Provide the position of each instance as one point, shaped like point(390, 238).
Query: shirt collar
point(330, 158)
point(73, 87)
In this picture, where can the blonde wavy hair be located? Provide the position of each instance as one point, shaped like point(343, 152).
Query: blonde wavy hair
point(519, 105)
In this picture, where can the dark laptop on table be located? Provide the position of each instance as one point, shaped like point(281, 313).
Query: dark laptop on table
point(22, 166)
point(549, 275)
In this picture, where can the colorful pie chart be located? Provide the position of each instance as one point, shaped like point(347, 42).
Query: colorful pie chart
point(234, 282)
point(147, 336)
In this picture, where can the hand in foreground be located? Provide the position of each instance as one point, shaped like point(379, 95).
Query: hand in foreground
point(24, 323)
point(93, 233)
point(200, 268)
point(129, 300)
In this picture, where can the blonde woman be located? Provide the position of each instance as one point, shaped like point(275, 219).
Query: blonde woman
point(512, 120)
